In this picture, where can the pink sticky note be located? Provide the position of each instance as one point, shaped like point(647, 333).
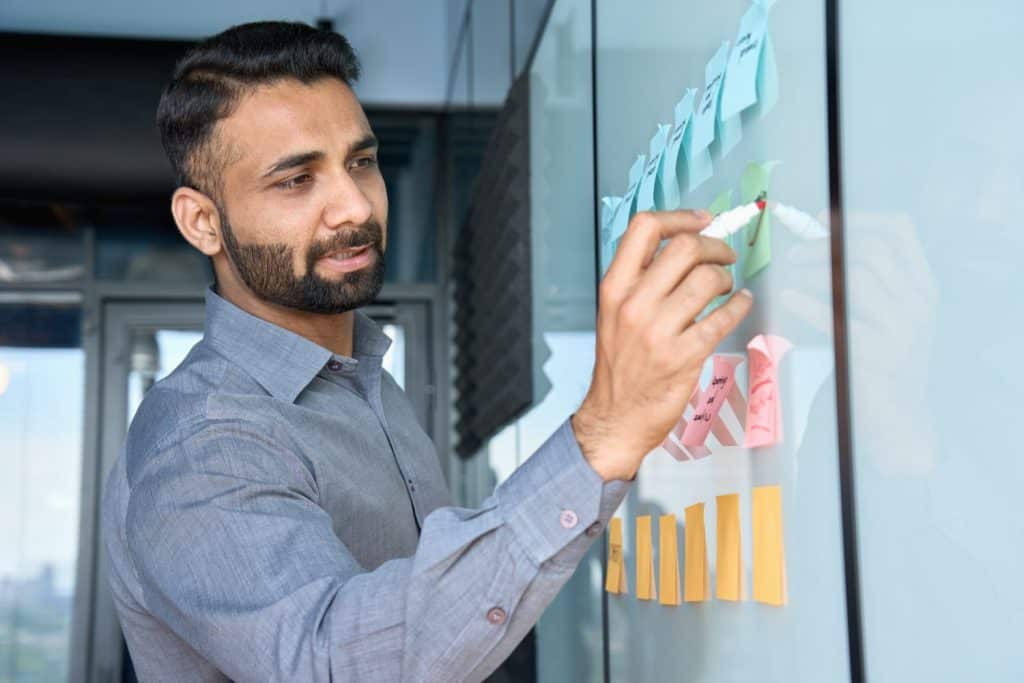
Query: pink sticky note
point(705, 414)
point(764, 407)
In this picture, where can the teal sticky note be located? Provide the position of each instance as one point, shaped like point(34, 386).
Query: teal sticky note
point(757, 235)
point(698, 168)
point(723, 202)
point(608, 208)
point(645, 199)
point(625, 210)
point(673, 164)
point(707, 111)
point(741, 76)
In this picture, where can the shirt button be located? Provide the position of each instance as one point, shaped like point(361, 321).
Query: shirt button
point(496, 616)
point(334, 365)
point(568, 519)
point(594, 529)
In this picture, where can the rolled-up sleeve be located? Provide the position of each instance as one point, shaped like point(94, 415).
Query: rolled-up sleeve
point(237, 557)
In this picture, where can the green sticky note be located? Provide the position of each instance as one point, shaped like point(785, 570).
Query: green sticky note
point(757, 235)
point(723, 202)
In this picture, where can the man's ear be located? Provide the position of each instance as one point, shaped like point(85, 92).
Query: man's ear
point(198, 219)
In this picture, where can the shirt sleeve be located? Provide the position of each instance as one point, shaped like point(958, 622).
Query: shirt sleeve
point(237, 557)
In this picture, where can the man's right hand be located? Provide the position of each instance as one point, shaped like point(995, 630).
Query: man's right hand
point(649, 349)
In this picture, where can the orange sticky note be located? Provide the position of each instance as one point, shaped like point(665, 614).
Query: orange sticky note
point(697, 585)
point(668, 561)
point(615, 576)
point(644, 559)
point(769, 548)
point(729, 570)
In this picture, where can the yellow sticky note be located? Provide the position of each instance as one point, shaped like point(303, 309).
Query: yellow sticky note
point(697, 586)
point(769, 548)
point(729, 570)
point(615, 578)
point(668, 561)
point(644, 559)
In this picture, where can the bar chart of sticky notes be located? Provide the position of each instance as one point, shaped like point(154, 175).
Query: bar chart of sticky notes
point(660, 580)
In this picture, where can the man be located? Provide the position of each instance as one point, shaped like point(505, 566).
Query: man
point(277, 512)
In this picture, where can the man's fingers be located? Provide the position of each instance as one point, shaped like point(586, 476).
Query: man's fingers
point(681, 256)
point(692, 295)
point(706, 334)
point(646, 230)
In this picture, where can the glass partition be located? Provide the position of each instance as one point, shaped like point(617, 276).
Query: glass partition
point(931, 111)
point(650, 54)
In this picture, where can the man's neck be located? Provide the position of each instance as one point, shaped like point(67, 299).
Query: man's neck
point(331, 331)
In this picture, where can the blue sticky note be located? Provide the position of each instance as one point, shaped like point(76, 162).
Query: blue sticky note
point(698, 161)
point(645, 199)
point(627, 207)
point(609, 206)
point(673, 163)
point(741, 76)
point(707, 110)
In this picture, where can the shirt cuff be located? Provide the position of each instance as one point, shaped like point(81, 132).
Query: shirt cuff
point(555, 497)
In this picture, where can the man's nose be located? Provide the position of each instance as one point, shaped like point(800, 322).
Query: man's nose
point(347, 204)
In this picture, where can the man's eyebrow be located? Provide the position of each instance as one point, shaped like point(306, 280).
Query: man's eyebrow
point(294, 160)
point(368, 141)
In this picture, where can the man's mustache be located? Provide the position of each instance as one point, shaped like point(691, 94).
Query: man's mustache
point(368, 233)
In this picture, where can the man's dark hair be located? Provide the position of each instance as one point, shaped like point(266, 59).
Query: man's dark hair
point(212, 77)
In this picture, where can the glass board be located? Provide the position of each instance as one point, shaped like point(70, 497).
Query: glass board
point(649, 53)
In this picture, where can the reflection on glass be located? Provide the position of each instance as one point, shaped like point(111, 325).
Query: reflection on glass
point(39, 243)
point(41, 412)
point(933, 244)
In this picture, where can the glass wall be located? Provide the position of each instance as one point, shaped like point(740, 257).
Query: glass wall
point(42, 386)
point(931, 111)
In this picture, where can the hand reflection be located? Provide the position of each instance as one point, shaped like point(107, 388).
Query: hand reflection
point(891, 300)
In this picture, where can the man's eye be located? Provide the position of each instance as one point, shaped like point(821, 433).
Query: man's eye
point(365, 162)
point(295, 182)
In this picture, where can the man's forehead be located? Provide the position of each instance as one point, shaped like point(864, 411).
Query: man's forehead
point(279, 118)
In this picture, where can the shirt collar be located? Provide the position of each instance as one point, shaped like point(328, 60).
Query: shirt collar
point(283, 362)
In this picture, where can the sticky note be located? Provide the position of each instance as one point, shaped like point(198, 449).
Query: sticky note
point(609, 205)
point(743, 74)
point(764, 403)
point(729, 564)
point(646, 199)
point(644, 559)
point(668, 561)
point(698, 161)
point(673, 164)
point(769, 569)
point(713, 398)
point(696, 582)
point(706, 120)
point(608, 208)
point(615, 576)
point(757, 236)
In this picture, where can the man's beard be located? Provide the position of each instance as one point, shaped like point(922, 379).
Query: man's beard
point(267, 270)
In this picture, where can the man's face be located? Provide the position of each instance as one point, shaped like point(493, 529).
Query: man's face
point(305, 196)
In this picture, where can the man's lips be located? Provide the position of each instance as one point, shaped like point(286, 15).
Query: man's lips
point(350, 259)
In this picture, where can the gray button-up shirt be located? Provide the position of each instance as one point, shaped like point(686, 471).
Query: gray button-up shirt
point(278, 514)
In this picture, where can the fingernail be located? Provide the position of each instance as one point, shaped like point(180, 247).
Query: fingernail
point(702, 214)
point(747, 292)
